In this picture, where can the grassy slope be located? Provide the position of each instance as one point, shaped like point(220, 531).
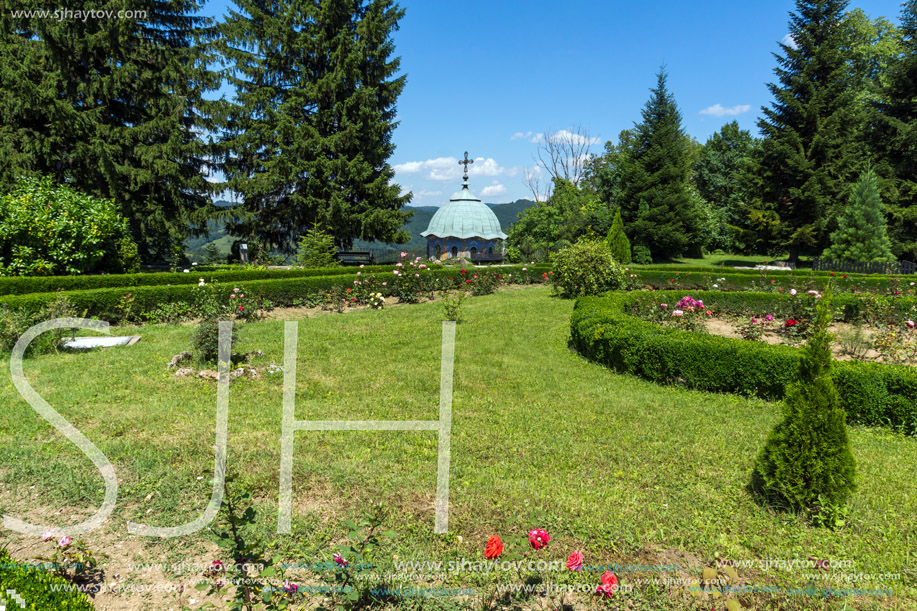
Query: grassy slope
point(619, 468)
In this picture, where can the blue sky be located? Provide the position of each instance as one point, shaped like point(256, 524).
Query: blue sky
point(488, 77)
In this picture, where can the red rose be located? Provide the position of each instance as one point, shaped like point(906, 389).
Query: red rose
point(539, 538)
point(608, 586)
point(494, 548)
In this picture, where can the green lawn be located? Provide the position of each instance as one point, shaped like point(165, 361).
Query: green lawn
point(621, 469)
point(730, 260)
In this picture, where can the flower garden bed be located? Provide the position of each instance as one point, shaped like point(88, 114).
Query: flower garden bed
point(871, 328)
point(110, 304)
point(657, 278)
point(633, 333)
point(24, 285)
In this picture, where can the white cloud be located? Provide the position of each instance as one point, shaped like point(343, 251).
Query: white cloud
point(448, 168)
point(565, 135)
point(718, 110)
point(519, 135)
point(493, 190)
point(426, 193)
point(574, 138)
point(789, 41)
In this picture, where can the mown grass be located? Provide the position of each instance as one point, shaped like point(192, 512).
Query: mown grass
point(732, 260)
point(621, 469)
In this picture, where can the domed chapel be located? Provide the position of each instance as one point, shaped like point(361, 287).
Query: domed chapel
point(465, 227)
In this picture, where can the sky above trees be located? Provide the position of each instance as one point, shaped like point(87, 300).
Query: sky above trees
point(489, 77)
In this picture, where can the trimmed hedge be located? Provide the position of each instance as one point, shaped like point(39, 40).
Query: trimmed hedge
point(103, 303)
point(764, 280)
point(871, 393)
point(22, 285)
point(36, 587)
point(46, 284)
point(714, 269)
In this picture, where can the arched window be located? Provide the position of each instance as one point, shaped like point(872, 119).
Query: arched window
point(455, 251)
point(438, 251)
point(490, 250)
point(474, 250)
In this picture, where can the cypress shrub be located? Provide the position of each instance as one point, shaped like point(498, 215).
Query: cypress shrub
point(806, 463)
point(617, 240)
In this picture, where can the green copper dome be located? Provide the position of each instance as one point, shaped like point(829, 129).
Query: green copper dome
point(465, 216)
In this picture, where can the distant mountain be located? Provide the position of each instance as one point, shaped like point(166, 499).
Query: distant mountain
point(509, 213)
point(420, 220)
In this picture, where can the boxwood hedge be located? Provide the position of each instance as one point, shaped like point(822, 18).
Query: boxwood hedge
point(103, 303)
point(40, 589)
point(871, 393)
point(720, 269)
point(734, 280)
point(45, 284)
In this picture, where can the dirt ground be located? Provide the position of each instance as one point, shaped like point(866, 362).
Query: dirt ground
point(729, 328)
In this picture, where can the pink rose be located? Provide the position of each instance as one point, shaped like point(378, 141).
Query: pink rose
point(910, 323)
point(792, 291)
point(63, 541)
point(340, 560)
point(49, 534)
point(575, 561)
point(539, 538)
point(663, 305)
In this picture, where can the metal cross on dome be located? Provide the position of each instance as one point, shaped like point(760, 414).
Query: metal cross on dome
point(466, 162)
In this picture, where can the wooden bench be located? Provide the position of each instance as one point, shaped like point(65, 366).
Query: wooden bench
point(354, 257)
point(486, 257)
point(857, 267)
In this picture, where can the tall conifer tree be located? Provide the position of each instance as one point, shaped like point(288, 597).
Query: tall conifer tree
point(861, 234)
point(658, 209)
point(894, 138)
point(812, 149)
point(113, 106)
point(310, 133)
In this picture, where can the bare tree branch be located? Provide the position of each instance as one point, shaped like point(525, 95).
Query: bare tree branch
point(540, 190)
point(563, 154)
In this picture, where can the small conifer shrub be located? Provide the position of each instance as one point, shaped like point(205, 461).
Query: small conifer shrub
point(806, 464)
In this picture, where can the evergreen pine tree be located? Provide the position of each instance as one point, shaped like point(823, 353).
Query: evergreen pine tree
point(114, 108)
point(861, 233)
point(812, 129)
point(894, 138)
point(310, 133)
point(806, 463)
point(657, 208)
point(316, 249)
point(617, 240)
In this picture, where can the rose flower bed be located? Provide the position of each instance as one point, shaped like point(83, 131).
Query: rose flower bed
point(641, 333)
